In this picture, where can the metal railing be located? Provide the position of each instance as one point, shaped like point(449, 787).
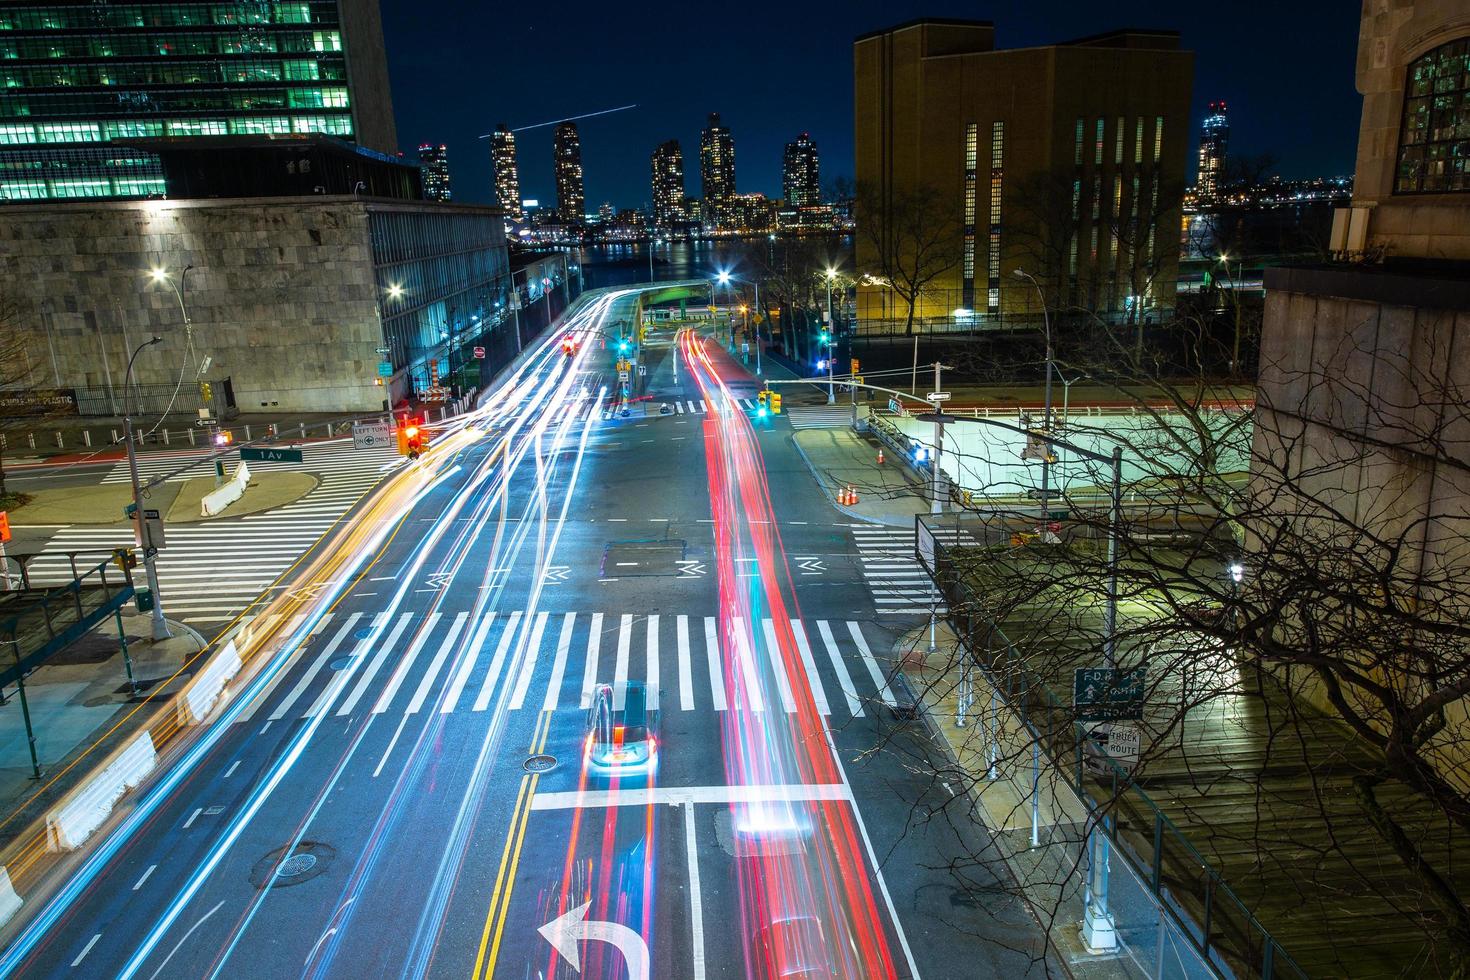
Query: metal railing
point(1209, 915)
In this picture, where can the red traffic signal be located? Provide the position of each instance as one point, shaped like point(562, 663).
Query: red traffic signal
point(569, 345)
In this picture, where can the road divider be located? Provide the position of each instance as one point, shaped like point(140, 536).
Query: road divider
point(82, 811)
point(212, 503)
point(204, 688)
point(10, 902)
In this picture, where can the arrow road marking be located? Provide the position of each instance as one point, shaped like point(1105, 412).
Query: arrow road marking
point(439, 580)
point(690, 569)
point(811, 566)
point(556, 573)
point(566, 931)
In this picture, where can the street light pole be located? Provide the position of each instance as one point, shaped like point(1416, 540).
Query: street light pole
point(757, 327)
point(831, 340)
point(936, 506)
point(145, 540)
point(1046, 416)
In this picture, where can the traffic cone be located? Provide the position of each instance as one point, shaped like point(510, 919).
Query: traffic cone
point(880, 455)
point(851, 497)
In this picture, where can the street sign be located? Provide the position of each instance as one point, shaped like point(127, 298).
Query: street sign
point(154, 526)
point(623, 376)
point(938, 396)
point(479, 353)
point(261, 454)
point(372, 435)
point(385, 369)
point(205, 422)
point(381, 350)
point(642, 370)
point(1108, 693)
point(1124, 744)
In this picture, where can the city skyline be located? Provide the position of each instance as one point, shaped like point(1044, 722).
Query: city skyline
point(1310, 138)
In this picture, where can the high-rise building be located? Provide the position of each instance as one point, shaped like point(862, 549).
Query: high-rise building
point(567, 151)
point(605, 213)
point(801, 179)
point(668, 185)
point(1022, 159)
point(507, 177)
point(434, 165)
point(83, 79)
point(716, 165)
point(1214, 140)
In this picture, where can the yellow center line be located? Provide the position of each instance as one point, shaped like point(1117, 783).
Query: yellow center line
point(510, 859)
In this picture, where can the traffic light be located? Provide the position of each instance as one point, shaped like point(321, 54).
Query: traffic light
point(826, 337)
point(763, 403)
point(775, 403)
point(569, 345)
point(854, 365)
point(206, 393)
point(223, 438)
point(125, 559)
point(623, 345)
point(410, 437)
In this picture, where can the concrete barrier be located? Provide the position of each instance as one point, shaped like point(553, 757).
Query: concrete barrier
point(82, 811)
point(217, 500)
point(204, 689)
point(10, 902)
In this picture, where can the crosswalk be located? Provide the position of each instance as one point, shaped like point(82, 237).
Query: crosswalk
point(820, 416)
point(898, 582)
point(210, 571)
point(687, 406)
point(336, 456)
point(417, 663)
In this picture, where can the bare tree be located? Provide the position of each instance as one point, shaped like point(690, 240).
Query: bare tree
point(907, 237)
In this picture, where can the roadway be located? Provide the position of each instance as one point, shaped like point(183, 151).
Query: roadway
point(399, 788)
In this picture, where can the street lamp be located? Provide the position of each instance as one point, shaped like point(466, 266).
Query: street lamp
point(145, 539)
point(395, 291)
point(832, 326)
point(1046, 421)
point(725, 279)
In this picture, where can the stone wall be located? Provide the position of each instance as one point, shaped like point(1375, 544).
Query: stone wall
point(281, 295)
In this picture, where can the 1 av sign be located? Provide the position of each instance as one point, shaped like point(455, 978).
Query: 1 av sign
point(260, 454)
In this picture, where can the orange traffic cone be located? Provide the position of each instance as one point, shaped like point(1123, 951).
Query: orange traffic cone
point(851, 497)
point(880, 455)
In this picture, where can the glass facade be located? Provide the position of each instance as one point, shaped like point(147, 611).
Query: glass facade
point(967, 273)
point(75, 76)
point(1434, 139)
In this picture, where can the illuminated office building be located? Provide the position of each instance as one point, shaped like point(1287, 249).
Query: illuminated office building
point(1214, 140)
point(82, 80)
point(507, 176)
point(434, 165)
point(668, 185)
point(571, 201)
point(801, 180)
point(716, 166)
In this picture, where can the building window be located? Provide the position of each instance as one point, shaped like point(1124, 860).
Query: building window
point(1434, 139)
point(1079, 143)
point(1098, 148)
point(1158, 138)
point(1138, 140)
point(972, 163)
point(997, 183)
point(1118, 141)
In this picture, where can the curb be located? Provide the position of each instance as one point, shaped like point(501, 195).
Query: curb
point(827, 492)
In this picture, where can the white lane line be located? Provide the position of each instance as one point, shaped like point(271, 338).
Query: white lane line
point(391, 742)
point(432, 674)
point(559, 664)
point(712, 657)
point(529, 651)
point(145, 877)
point(838, 664)
point(620, 673)
point(752, 685)
point(813, 679)
point(652, 651)
point(507, 635)
point(462, 676)
point(85, 950)
point(696, 896)
point(878, 679)
point(686, 669)
point(315, 668)
point(192, 817)
point(231, 771)
point(368, 672)
point(778, 664)
point(395, 681)
point(589, 673)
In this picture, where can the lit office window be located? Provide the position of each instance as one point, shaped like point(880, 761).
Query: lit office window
point(1078, 146)
point(1097, 152)
point(1158, 138)
point(997, 182)
point(967, 257)
point(1138, 140)
point(1121, 128)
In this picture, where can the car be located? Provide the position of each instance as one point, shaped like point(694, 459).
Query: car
point(620, 741)
point(792, 947)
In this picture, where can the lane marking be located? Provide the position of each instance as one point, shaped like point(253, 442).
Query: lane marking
point(420, 640)
point(145, 877)
point(849, 690)
point(589, 673)
point(686, 669)
point(192, 817)
point(528, 661)
point(712, 657)
point(432, 673)
point(778, 666)
point(678, 795)
point(652, 676)
point(231, 771)
point(368, 672)
point(620, 674)
point(752, 685)
point(814, 680)
point(85, 950)
point(873, 670)
point(462, 676)
point(696, 896)
point(501, 648)
point(559, 664)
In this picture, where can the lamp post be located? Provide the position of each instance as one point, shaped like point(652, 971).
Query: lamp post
point(1234, 301)
point(1046, 416)
point(725, 279)
point(145, 539)
point(832, 343)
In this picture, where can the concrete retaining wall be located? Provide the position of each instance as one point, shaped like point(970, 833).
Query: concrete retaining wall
point(82, 811)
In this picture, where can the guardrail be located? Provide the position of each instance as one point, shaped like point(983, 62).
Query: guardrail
point(1209, 915)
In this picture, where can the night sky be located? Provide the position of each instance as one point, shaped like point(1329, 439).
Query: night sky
point(776, 69)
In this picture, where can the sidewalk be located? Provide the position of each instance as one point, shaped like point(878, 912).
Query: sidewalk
point(79, 699)
point(180, 502)
point(889, 493)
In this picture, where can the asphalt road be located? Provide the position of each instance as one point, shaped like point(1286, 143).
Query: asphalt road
point(402, 790)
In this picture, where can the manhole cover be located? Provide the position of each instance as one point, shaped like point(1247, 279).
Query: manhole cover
point(341, 663)
point(363, 633)
point(540, 763)
point(296, 864)
point(284, 867)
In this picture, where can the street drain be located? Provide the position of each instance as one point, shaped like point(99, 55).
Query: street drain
point(284, 866)
point(539, 763)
